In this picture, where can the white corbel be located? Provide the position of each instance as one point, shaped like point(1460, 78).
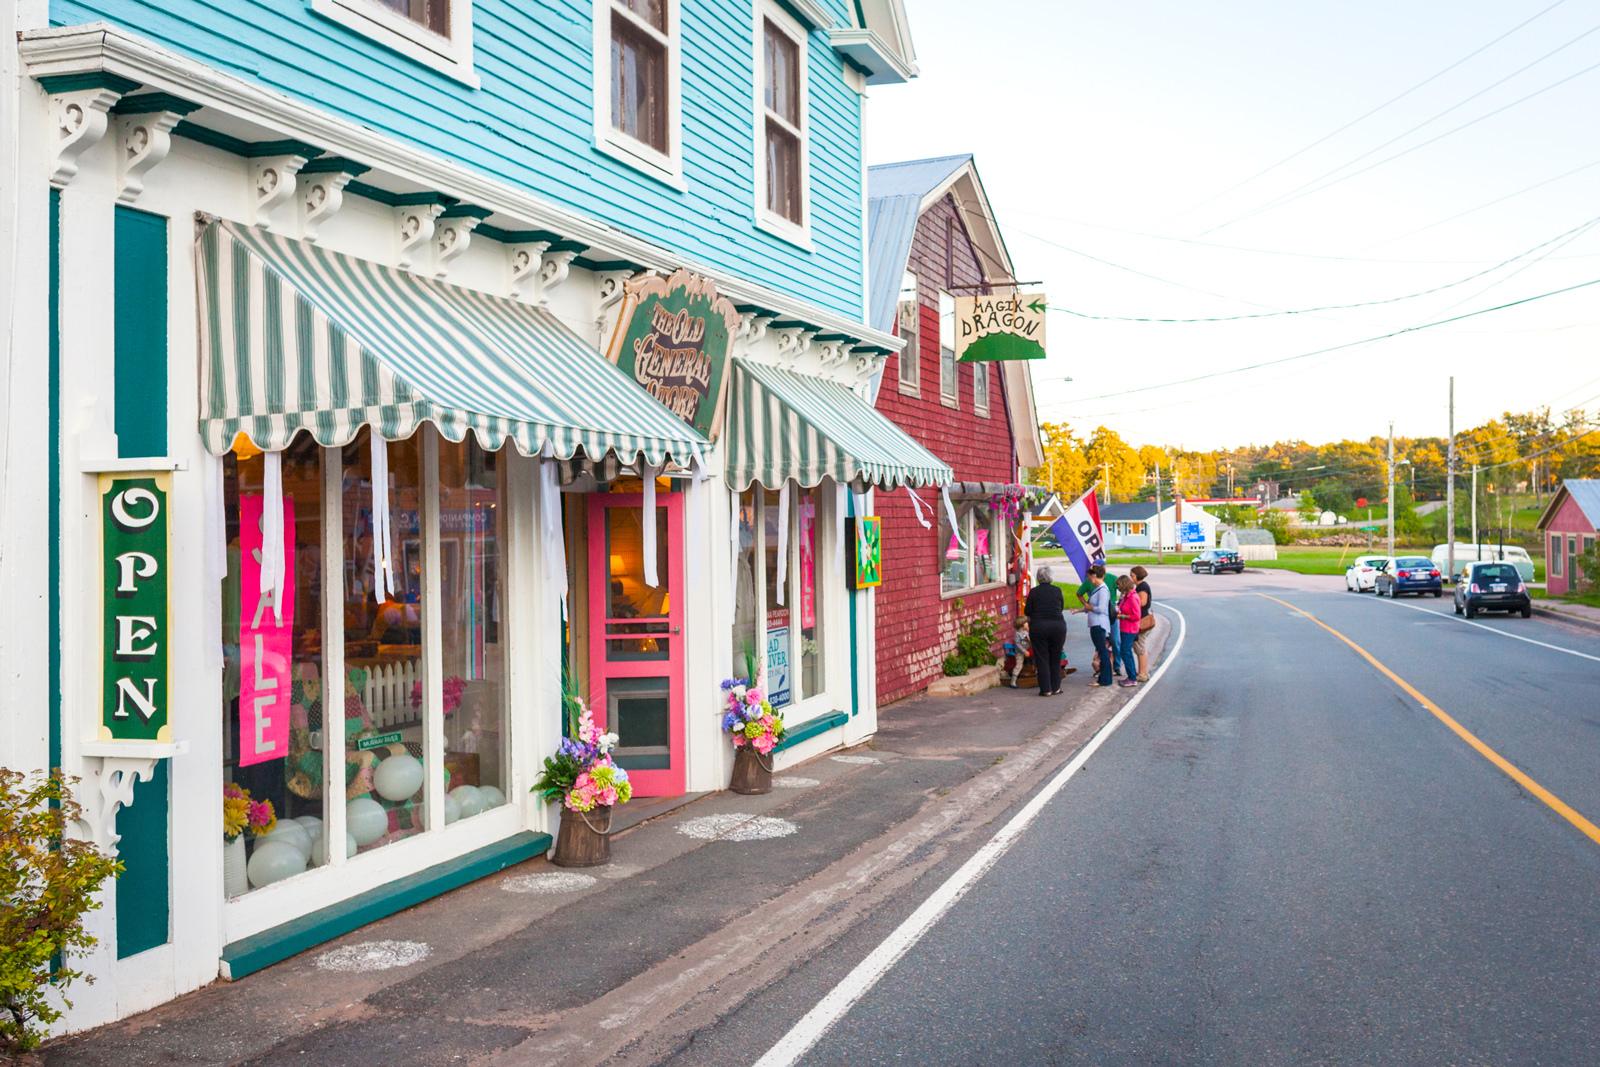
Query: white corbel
point(109, 790)
point(793, 341)
point(611, 285)
point(143, 141)
point(753, 327)
point(555, 269)
point(525, 260)
point(322, 184)
point(416, 224)
point(833, 353)
point(273, 179)
point(81, 114)
point(453, 234)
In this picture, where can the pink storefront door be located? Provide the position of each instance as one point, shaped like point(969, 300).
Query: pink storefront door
point(636, 638)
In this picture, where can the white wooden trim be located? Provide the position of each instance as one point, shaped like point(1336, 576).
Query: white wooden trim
point(333, 738)
point(432, 638)
point(664, 166)
point(101, 46)
point(450, 55)
point(766, 219)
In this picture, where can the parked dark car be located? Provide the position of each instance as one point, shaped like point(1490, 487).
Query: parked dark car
point(1491, 587)
point(1216, 561)
point(1409, 574)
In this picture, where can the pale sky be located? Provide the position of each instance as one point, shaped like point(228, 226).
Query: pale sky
point(1092, 120)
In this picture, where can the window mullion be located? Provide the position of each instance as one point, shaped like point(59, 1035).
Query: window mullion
point(432, 649)
point(333, 671)
point(796, 633)
point(663, 39)
point(794, 130)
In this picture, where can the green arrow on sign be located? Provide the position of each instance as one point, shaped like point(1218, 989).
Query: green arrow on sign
point(1037, 307)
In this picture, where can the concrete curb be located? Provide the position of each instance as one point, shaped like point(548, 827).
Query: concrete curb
point(1566, 616)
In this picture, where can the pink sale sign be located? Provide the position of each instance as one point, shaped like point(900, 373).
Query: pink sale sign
point(266, 645)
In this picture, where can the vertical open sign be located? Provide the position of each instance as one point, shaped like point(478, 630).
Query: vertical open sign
point(135, 629)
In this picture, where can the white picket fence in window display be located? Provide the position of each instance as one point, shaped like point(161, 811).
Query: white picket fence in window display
point(388, 693)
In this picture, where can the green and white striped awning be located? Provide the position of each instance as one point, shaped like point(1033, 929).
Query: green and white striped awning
point(783, 425)
point(295, 337)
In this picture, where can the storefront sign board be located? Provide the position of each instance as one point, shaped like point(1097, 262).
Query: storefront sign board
point(673, 337)
point(266, 642)
point(136, 615)
point(991, 327)
point(1190, 533)
point(779, 691)
point(864, 534)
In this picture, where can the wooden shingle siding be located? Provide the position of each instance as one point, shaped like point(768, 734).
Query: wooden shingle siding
point(531, 123)
point(917, 627)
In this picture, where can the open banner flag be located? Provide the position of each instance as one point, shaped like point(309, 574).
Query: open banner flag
point(1077, 531)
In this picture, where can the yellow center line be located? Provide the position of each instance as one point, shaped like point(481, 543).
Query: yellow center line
point(1512, 771)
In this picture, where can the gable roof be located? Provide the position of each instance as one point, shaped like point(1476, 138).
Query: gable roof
point(897, 195)
point(1138, 511)
point(1248, 535)
point(1585, 491)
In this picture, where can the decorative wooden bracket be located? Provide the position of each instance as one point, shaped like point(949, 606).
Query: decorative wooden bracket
point(794, 339)
point(109, 786)
point(416, 224)
point(80, 105)
point(453, 234)
point(274, 170)
point(322, 185)
point(555, 269)
point(144, 137)
point(526, 260)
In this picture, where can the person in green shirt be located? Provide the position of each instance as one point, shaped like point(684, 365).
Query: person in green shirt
point(1084, 588)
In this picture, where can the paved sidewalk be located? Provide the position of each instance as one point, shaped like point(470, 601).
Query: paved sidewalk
point(1582, 614)
point(539, 964)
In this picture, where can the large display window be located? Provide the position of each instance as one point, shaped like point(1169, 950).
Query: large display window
point(779, 606)
point(418, 615)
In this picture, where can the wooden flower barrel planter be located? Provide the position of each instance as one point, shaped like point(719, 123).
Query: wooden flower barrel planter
point(584, 839)
point(752, 772)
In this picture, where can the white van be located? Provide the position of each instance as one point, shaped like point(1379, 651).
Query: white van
point(1512, 554)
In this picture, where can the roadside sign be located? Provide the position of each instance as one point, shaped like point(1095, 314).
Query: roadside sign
point(1190, 533)
point(992, 327)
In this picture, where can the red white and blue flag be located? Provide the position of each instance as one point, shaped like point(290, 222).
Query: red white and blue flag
point(1077, 531)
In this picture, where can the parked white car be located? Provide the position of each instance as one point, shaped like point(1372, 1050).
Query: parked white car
point(1512, 554)
point(1362, 574)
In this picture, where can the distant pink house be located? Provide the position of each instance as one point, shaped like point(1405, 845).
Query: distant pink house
point(1569, 527)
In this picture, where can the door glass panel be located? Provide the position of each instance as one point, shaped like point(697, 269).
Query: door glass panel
point(383, 699)
point(626, 594)
point(810, 608)
point(744, 597)
point(639, 711)
point(472, 627)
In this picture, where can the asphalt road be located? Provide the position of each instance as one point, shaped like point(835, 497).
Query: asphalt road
point(1280, 857)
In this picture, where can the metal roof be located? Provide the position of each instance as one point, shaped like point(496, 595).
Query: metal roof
point(1586, 491)
point(895, 192)
point(1138, 511)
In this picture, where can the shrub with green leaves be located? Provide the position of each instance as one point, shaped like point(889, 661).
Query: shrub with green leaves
point(47, 884)
point(974, 645)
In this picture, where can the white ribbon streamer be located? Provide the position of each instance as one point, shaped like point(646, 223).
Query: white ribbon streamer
point(950, 513)
point(783, 538)
point(550, 532)
point(648, 474)
point(924, 512)
point(272, 575)
point(382, 542)
point(216, 521)
point(733, 568)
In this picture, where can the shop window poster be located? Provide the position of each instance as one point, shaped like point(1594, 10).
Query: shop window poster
point(779, 690)
point(808, 565)
point(266, 643)
point(865, 535)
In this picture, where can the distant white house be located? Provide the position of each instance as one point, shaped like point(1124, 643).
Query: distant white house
point(1182, 527)
point(1250, 544)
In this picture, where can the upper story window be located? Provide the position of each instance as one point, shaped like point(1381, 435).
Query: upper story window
point(637, 85)
point(980, 388)
point(782, 169)
point(436, 33)
point(949, 369)
point(911, 354)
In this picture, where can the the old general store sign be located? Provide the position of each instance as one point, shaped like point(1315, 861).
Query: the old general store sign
point(672, 338)
point(136, 616)
point(992, 327)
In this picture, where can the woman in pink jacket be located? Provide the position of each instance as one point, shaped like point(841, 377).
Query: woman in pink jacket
point(1128, 613)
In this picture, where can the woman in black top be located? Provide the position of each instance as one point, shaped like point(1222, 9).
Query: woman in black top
point(1047, 626)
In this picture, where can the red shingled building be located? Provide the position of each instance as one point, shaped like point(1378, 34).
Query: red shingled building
point(932, 238)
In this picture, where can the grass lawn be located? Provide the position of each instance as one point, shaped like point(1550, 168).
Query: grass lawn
point(1590, 599)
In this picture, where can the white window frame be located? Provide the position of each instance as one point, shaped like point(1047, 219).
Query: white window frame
point(451, 56)
point(666, 166)
point(770, 221)
point(980, 403)
point(911, 354)
point(802, 704)
point(949, 391)
point(967, 516)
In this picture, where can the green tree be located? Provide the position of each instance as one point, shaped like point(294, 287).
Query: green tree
point(1110, 457)
point(1065, 470)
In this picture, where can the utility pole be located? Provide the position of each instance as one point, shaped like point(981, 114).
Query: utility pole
point(1106, 466)
point(1159, 540)
point(1476, 552)
point(1450, 484)
point(1391, 489)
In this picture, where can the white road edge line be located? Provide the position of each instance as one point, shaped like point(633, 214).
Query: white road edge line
point(830, 1009)
point(1515, 637)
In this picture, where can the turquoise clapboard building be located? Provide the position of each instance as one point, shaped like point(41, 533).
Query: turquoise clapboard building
point(542, 153)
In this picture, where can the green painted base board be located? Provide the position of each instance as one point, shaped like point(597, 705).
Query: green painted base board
point(811, 728)
point(291, 938)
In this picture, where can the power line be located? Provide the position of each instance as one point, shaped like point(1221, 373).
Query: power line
point(1497, 200)
point(1300, 192)
point(1564, 237)
point(1574, 235)
point(1347, 344)
point(1368, 114)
